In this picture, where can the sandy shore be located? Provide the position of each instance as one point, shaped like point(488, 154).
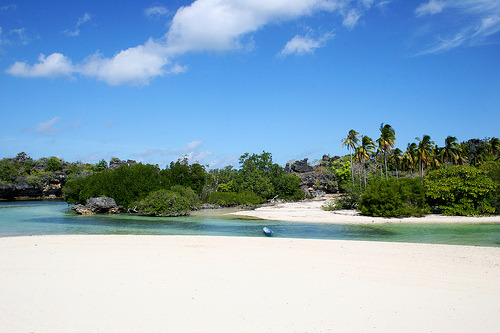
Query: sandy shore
point(310, 211)
point(229, 284)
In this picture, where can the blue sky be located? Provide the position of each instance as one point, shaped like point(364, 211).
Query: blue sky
point(213, 79)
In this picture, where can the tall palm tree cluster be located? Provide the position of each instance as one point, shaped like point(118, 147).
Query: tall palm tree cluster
point(419, 156)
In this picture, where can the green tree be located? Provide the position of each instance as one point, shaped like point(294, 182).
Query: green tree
point(460, 190)
point(163, 203)
point(394, 198)
point(396, 158)
point(351, 142)
point(410, 157)
point(386, 142)
point(54, 164)
point(450, 152)
point(424, 152)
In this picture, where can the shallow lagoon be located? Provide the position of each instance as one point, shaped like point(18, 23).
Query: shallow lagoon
point(55, 218)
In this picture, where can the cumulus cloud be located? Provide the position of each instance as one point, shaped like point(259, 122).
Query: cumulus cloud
point(47, 127)
point(474, 21)
point(301, 45)
point(76, 31)
point(54, 66)
point(135, 66)
point(156, 11)
point(219, 25)
point(204, 25)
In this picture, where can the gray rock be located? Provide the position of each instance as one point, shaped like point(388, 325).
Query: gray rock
point(298, 167)
point(99, 205)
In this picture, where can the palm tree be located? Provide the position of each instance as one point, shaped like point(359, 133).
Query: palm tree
point(450, 152)
point(386, 142)
point(424, 152)
point(397, 158)
point(365, 150)
point(494, 146)
point(351, 141)
point(410, 157)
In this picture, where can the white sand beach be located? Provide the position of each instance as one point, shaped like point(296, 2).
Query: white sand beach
point(310, 211)
point(229, 284)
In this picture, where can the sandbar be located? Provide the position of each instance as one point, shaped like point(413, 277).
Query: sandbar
point(310, 211)
point(129, 283)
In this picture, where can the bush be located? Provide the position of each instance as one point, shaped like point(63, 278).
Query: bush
point(288, 187)
point(350, 198)
point(492, 169)
point(226, 199)
point(54, 164)
point(189, 194)
point(394, 198)
point(163, 203)
point(126, 184)
point(460, 190)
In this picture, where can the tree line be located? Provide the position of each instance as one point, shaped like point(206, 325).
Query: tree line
point(456, 178)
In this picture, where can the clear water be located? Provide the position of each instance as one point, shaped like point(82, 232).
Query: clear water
point(48, 218)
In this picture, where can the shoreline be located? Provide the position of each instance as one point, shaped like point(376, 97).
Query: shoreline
point(310, 211)
point(203, 283)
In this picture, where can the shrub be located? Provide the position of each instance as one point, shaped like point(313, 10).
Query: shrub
point(54, 164)
point(189, 194)
point(394, 198)
point(460, 190)
point(163, 203)
point(233, 198)
point(288, 187)
point(350, 198)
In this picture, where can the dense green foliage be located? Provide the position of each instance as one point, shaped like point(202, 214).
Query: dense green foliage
point(163, 203)
point(492, 170)
point(226, 199)
point(259, 175)
point(394, 198)
point(126, 184)
point(189, 194)
point(461, 190)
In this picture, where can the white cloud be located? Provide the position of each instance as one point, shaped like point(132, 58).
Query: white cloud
point(134, 66)
point(431, 7)
point(54, 66)
point(85, 18)
point(76, 31)
point(156, 11)
point(473, 22)
point(351, 19)
point(190, 147)
point(204, 25)
point(219, 25)
point(301, 45)
point(47, 127)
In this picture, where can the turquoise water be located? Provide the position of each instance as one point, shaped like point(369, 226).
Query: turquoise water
point(55, 218)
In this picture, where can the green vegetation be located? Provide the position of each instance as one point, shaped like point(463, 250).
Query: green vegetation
point(460, 178)
point(227, 199)
point(394, 198)
point(141, 187)
point(163, 203)
point(461, 190)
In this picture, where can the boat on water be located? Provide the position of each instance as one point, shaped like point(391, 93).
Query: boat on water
point(268, 232)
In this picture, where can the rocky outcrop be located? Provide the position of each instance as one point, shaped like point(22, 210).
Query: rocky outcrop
point(99, 205)
point(49, 186)
point(315, 181)
point(298, 167)
point(116, 163)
